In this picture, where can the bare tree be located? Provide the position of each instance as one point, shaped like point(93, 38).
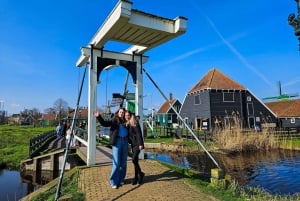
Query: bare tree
point(61, 107)
point(36, 113)
point(50, 110)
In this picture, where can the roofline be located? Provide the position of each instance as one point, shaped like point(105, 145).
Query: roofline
point(122, 14)
point(262, 103)
point(209, 89)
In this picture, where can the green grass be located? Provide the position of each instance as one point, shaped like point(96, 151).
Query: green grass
point(14, 143)
point(104, 142)
point(293, 143)
point(163, 139)
point(69, 187)
point(170, 140)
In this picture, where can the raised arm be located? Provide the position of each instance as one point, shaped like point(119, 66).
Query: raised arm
point(101, 120)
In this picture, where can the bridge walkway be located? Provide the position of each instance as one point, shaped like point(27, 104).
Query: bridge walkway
point(160, 183)
point(58, 143)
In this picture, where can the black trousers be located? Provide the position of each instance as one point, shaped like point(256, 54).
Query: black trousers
point(135, 161)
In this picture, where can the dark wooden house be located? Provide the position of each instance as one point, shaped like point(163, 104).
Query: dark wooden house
point(165, 115)
point(217, 101)
point(287, 111)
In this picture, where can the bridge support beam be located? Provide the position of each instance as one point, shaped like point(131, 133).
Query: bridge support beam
point(92, 106)
point(143, 31)
point(94, 73)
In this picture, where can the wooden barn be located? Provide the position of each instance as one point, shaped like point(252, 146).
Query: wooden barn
point(165, 115)
point(218, 101)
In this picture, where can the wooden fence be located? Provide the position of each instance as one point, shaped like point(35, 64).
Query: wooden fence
point(36, 144)
point(180, 133)
point(281, 133)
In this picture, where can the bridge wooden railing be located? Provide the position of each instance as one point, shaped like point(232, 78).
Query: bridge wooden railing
point(36, 144)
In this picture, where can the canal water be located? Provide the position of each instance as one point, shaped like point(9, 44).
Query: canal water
point(11, 185)
point(277, 171)
point(14, 185)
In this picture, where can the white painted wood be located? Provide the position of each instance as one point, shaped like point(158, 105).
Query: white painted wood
point(142, 30)
point(92, 106)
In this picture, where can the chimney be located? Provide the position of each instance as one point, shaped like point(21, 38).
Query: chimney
point(171, 96)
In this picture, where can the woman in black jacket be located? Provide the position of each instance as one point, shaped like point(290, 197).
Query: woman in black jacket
point(136, 141)
point(119, 141)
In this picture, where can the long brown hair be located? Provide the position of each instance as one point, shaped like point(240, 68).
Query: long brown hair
point(116, 116)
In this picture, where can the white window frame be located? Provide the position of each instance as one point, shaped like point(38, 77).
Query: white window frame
point(293, 120)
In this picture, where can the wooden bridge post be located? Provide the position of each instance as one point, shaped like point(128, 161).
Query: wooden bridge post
point(217, 178)
point(35, 162)
point(52, 160)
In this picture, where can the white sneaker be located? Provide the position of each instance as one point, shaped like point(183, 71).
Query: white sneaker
point(114, 186)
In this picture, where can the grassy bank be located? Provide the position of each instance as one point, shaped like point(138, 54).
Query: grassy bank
point(290, 143)
point(233, 192)
point(14, 143)
point(69, 190)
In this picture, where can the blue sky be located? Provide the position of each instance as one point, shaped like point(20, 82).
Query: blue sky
point(249, 41)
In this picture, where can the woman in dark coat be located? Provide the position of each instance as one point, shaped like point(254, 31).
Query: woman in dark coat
point(119, 141)
point(137, 144)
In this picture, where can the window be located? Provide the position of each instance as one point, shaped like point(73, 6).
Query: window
point(257, 119)
point(293, 120)
point(177, 108)
point(197, 99)
point(249, 98)
point(169, 118)
point(250, 109)
point(228, 97)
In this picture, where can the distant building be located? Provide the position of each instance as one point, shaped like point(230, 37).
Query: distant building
point(165, 115)
point(218, 101)
point(81, 116)
point(287, 111)
point(27, 120)
point(49, 119)
point(14, 119)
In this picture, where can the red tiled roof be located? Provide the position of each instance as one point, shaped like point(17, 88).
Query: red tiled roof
point(166, 106)
point(285, 108)
point(81, 113)
point(215, 79)
point(50, 116)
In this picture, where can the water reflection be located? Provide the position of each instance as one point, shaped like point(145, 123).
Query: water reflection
point(11, 187)
point(36, 179)
point(15, 185)
point(276, 171)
